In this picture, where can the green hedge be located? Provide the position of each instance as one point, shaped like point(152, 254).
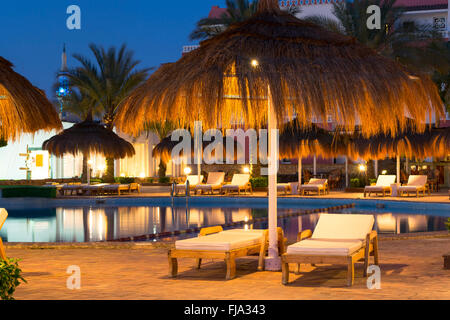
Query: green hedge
point(28, 192)
point(125, 180)
point(260, 182)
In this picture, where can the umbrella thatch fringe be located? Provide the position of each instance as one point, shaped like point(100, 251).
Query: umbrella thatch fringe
point(311, 73)
point(23, 107)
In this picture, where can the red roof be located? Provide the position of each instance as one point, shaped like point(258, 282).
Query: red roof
point(217, 12)
point(421, 3)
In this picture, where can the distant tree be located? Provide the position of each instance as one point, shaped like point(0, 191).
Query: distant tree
point(236, 11)
point(105, 83)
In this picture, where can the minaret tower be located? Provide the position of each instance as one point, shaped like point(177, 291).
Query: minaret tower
point(63, 87)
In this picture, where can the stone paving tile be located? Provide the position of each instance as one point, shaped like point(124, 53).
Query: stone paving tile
point(411, 269)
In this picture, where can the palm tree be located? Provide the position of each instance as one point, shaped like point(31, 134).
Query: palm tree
point(418, 47)
point(162, 130)
point(106, 82)
point(236, 11)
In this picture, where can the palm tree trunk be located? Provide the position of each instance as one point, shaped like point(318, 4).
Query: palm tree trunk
point(85, 168)
point(162, 169)
point(109, 174)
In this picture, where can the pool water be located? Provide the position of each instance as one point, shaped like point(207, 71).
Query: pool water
point(91, 224)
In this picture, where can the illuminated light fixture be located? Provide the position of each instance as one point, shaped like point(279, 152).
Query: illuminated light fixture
point(413, 167)
point(122, 175)
point(142, 175)
point(101, 168)
point(384, 172)
point(413, 77)
point(424, 167)
point(246, 170)
point(255, 63)
point(362, 168)
point(90, 162)
point(187, 171)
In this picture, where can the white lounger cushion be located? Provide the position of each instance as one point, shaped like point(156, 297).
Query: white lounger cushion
point(325, 247)
point(385, 180)
point(418, 181)
point(215, 178)
point(239, 180)
point(343, 227)
point(223, 241)
point(193, 181)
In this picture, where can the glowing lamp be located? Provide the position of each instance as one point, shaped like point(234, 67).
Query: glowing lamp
point(255, 63)
point(246, 170)
point(187, 171)
point(384, 172)
point(362, 168)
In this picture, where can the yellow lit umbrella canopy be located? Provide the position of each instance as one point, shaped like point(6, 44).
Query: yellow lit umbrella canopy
point(23, 107)
point(295, 67)
point(311, 72)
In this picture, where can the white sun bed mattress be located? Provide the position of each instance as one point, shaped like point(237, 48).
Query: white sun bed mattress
point(223, 241)
point(325, 247)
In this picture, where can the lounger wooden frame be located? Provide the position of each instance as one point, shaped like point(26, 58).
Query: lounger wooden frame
point(286, 188)
point(370, 248)
point(245, 188)
point(228, 256)
point(317, 188)
point(3, 216)
point(385, 191)
point(424, 189)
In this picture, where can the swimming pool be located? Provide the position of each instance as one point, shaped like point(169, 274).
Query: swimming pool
point(106, 222)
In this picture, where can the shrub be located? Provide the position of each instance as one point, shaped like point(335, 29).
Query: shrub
point(164, 180)
point(448, 224)
point(260, 182)
point(124, 180)
point(356, 183)
point(10, 278)
point(373, 181)
point(28, 192)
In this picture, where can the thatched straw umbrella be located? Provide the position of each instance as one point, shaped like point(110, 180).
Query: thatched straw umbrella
point(408, 142)
point(23, 107)
point(299, 142)
point(272, 66)
point(86, 138)
point(441, 142)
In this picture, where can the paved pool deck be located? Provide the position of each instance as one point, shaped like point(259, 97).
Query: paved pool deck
point(412, 268)
point(149, 192)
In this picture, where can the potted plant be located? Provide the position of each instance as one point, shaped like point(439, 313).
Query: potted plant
point(10, 278)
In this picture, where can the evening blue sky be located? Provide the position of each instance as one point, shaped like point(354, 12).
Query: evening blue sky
point(34, 31)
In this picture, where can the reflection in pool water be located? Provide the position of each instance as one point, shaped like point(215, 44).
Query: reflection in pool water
point(103, 224)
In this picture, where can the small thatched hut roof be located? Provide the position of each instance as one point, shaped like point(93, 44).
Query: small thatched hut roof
point(408, 143)
point(164, 149)
point(23, 107)
point(89, 137)
point(441, 142)
point(311, 72)
point(299, 142)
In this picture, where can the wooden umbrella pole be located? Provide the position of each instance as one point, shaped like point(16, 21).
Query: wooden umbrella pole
point(346, 172)
point(375, 168)
point(273, 262)
point(315, 166)
point(398, 169)
point(300, 170)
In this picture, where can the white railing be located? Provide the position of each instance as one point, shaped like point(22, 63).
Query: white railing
point(187, 49)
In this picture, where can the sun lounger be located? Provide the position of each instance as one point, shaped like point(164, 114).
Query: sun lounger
point(337, 239)
point(383, 186)
point(94, 189)
point(194, 181)
point(284, 187)
point(115, 189)
point(214, 243)
point(315, 185)
point(70, 189)
point(214, 183)
point(3, 216)
point(240, 182)
point(135, 187)
point(416, 184)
